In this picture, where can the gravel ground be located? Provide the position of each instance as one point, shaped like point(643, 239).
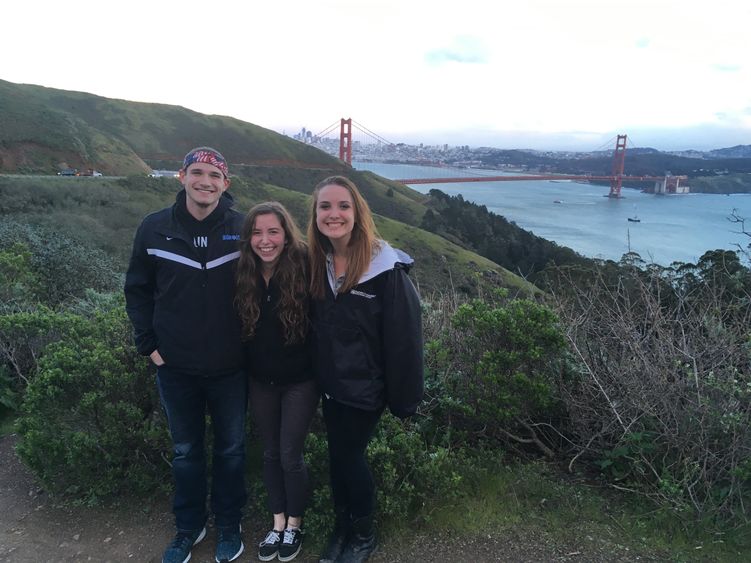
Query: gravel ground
point(34, 530)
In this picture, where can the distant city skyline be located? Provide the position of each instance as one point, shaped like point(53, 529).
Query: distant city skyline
point(539, 74)
point(569, 143)
point(700, 138)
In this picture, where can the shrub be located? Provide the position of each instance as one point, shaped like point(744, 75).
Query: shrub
point(51, 268)
point(89, 424)
point(9, 396)
point(492, 372)
point(25, 335)
point(663, 404)
point(19, 285)
point(409, 474)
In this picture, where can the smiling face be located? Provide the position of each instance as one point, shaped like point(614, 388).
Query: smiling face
point(335, 214)
point(267, 239)
point(204, 185)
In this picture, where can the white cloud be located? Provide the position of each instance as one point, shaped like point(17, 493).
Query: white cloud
point(463, 49)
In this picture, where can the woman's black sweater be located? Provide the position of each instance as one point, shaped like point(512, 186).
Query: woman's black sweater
point(267, 356)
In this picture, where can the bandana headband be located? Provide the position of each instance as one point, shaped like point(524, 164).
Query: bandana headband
point(207, 155)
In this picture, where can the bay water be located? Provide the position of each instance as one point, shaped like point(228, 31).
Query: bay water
point(580, 216)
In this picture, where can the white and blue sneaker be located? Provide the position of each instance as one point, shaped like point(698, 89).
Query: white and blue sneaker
point(179, 550)
point(229, 545)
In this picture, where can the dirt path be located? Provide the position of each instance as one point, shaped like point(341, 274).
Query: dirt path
point(34, 530)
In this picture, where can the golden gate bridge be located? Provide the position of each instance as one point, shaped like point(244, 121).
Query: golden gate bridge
point(663, 184)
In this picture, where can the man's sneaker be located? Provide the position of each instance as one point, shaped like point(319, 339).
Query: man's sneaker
point(291, 544)
point(179, 550)
point(269, 547)
point(229, 546)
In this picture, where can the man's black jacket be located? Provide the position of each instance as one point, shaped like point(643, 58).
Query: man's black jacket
point(180, 305)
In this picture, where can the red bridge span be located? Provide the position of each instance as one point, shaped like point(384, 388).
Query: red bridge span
point(663, 184)
point(527, 177)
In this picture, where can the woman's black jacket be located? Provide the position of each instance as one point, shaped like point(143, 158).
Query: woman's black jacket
point(368, 341)
point(268, 357)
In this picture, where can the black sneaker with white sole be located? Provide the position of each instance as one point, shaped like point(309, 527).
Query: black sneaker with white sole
point(291, 544)
point(269, 547)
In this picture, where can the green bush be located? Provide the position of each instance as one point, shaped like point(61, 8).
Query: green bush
point(25, 335)
point(492, 373)
point(19, 285)
point(9, 396)
point(90, 425)
point(409, 474)
point(48, 267)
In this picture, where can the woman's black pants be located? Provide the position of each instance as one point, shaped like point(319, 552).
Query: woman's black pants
point(349, 430)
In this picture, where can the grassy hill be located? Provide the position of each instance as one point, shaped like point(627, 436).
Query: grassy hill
point(385, 197)
point(36, 137)
point(104, 213)
point(44, 129)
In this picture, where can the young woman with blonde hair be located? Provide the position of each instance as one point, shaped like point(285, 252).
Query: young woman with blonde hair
point(368, 350)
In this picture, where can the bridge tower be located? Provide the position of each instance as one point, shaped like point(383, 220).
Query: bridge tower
point(345, 141)
point(619, 159)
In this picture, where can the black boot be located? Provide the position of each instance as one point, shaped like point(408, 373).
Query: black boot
point(338, 538)
point(362, 541)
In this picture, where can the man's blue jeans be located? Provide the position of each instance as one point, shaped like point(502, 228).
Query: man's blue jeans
point(185, 399)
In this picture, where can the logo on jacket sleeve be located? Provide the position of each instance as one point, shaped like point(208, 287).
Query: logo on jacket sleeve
point(230, 237)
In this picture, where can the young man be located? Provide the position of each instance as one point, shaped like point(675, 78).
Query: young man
point(179, 292)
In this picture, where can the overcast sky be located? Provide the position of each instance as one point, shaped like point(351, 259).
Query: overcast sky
point(547, 74)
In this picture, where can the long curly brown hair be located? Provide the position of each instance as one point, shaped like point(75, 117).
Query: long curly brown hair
point(362, 242)
point(290, 275)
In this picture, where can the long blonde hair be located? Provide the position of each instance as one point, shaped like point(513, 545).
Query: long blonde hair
point(361, 245)
point(290, 275)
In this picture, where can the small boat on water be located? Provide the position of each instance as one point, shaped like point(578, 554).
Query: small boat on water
point(635, 218)
point(557, 201)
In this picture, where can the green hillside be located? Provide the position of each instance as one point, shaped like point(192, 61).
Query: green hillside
point(385, 197)
point(43, 130)
point(36, 137)
point(104, 213)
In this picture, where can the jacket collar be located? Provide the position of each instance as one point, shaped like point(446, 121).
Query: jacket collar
point(175, 229)
point(386, 258)
point(225, 201)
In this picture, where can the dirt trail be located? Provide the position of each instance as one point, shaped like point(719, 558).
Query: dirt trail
point(34, 530)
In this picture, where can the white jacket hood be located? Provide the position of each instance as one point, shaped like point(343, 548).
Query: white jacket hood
point(385, 258)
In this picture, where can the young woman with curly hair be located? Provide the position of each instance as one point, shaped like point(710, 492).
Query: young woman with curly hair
point(272, 299)
point(368, 350)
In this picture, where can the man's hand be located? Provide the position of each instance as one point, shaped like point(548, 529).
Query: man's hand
point(156, 358)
